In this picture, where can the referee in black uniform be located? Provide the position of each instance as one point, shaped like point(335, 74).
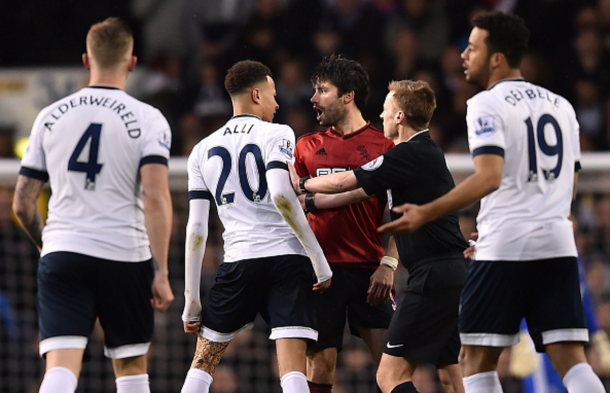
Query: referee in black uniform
point(424, 328)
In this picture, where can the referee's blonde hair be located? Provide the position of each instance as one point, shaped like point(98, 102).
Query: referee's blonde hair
point(110, 43)
point(416, 99)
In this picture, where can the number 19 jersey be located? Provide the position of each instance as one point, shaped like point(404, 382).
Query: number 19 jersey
point(537, 133)
point(90, 146)
point(229, 167)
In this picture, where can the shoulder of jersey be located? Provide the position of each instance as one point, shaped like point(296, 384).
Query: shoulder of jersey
point(373, 128)
point(312, 134)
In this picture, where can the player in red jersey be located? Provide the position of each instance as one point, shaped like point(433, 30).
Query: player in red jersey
point(348, 235)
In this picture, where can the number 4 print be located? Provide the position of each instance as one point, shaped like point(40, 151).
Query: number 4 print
point(91, 166)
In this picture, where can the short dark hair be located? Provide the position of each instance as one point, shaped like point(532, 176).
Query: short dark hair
point(507, 35)
point(416, 99)
point(108, 42)
point(243, 75)
point(347, 75)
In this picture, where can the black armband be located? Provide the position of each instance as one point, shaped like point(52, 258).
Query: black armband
point(310, 202)
point(302, 180)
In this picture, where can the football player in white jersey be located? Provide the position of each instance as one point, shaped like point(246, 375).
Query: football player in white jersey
point(525, 147)
point(242, 168)
point(105, 156)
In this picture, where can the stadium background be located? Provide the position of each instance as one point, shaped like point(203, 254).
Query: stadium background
point(185, 47)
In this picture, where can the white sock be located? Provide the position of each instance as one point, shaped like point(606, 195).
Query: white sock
point(197, 381)
point(133, 384)
point(487, 382)
point(294, 382)
point(58, 380)
point(582, 379)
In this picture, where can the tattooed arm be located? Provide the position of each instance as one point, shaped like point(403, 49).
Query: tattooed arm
point(27, 192)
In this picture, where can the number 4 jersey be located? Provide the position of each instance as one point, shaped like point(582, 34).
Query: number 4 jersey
point(229, 167)
point(536, 132)
point(90, 146)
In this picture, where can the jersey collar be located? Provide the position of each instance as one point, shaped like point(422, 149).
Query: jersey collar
point(423, 133)
point(519, 79)
point(245, 115)
point(108, 87)
point(351, 134)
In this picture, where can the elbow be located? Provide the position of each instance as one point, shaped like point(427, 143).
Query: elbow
point(20, 209)
point(492, 183)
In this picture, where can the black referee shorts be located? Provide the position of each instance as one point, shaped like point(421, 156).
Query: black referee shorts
point(425, 325)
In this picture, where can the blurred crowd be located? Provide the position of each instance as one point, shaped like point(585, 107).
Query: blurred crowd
point(186, 46)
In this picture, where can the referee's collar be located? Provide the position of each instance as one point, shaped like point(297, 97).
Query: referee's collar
point(519, 79)
point(422, 133)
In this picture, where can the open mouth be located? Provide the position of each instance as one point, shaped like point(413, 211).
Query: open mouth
point(319, 112)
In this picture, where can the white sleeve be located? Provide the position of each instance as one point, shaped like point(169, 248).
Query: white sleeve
point(286, 202)
point(280, 147)
point(196, 239)
point(485, 126)
point(157, 140)
point(194, 165)
point(34, 157)
point(574, 133)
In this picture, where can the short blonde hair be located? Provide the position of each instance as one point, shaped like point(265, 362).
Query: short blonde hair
point(416, 99)
point(108, 42)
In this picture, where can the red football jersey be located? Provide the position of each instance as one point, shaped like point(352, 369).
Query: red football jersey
point(348, 235)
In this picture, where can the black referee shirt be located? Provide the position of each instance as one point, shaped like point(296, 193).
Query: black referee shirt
point(416, 172)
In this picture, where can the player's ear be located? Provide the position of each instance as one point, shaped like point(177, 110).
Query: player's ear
point(133, 60)
point(86, 61)
point(400, 117)
point(256, 95)
point(497, 59)
point(348, 97)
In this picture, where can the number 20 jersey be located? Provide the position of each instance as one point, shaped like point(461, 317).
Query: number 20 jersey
point(537, 133)
point(229, 167)
point(91, 145)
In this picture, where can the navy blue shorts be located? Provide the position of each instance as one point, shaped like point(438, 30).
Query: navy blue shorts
point(346, 299)
point(499, 294)
point(75, 289)
point(425, 325)
point(280, 288)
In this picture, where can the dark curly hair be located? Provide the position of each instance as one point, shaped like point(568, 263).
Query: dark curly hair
point(347, 75)
point(243, 75)
point(507, 35)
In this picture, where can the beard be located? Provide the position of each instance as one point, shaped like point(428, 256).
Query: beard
point(479, 77)
point(333, 114)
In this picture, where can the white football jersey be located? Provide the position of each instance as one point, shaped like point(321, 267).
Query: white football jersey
point(229, 167)
point(91, 146)
point(537, 133)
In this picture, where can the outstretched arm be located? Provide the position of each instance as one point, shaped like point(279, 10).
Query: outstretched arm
point(286, 201)
point(328, 184)
point(196, 239)
point(158, 215)
point(486, 178)
point(27, 192)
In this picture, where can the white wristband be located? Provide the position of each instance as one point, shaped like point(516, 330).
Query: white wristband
point(389, 261)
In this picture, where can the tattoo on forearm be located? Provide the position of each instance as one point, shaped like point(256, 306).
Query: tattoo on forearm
point(27, 191)
point(208, 355)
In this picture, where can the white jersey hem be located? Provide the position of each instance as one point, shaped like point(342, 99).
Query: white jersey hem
point(561, 335)
point(293, 332)
point(219, 337)
point(489, 339)
point(127, 351)
point(62, 342)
